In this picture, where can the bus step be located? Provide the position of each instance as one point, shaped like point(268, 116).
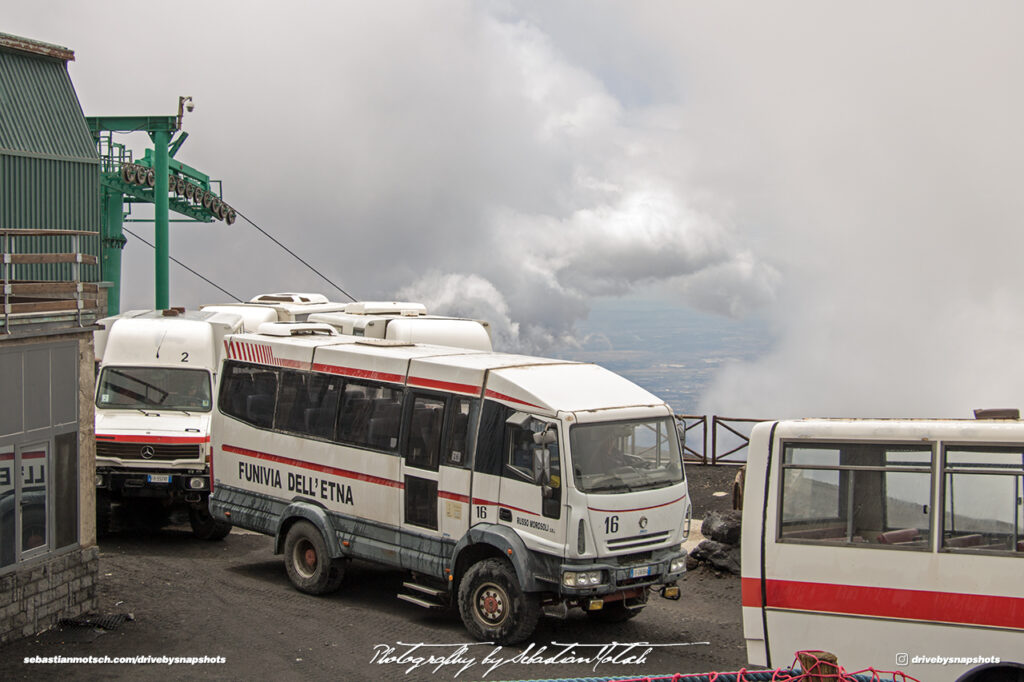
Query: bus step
point(420, 601)
point(441, 595)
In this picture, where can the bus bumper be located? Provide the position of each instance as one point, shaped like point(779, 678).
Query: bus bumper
point(152, 483)
point(618, 580)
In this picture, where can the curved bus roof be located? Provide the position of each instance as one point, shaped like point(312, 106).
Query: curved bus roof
point(544, 384)
point(899, 430)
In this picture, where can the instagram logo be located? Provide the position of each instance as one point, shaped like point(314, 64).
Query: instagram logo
point(902, 659)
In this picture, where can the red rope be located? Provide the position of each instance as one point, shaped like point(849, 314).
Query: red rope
point(786, 675)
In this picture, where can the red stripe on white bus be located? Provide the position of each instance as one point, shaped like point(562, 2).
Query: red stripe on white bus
point(477, 500)
point(321, 468)
point(357, 373)
point(501, 396)
point(664, 504)
point(444, 494)
point(886, 602)
point(131, 438)
point(451, 386)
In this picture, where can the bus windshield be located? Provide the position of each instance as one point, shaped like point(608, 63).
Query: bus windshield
point(154, 387)
point(625, 456)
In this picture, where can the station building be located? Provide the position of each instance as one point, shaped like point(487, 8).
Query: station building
point(49, 274)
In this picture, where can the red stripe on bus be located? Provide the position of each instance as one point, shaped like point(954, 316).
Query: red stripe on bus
point(357, 373)
point(444, 494)
point(501, 396)
point(128, 438)
point(886, 602)
point(477, 500)
point(294, 364)
point(445, 385)
point(656, 506)
point(322, 468)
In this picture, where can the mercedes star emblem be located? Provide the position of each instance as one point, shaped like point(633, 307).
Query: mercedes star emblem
point(147, 452)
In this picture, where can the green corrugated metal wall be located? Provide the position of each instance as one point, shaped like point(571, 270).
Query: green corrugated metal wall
point(49, 168)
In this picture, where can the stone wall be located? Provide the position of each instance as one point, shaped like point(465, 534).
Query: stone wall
point(39, 594)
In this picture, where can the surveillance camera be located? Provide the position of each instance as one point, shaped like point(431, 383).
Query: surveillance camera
point(190, 107)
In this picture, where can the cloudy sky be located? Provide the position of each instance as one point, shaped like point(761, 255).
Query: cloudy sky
point(848, 171)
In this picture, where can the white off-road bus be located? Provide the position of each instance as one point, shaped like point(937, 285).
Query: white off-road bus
point(277, 307)
point(397, 320)
point(503, 483)
point(897, 544)
point(404, 321)
point(154, 397)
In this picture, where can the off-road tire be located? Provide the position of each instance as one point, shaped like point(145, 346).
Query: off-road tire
point(204, 526)
point(494, 607)
point(310, 566)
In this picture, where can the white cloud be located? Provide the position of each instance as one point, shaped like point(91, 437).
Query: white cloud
point(848, 171)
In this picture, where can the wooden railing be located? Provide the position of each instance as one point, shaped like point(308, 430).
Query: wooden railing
point(37, 297)
point(696, 427)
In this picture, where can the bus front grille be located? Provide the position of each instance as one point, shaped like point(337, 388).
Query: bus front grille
point(147, 451)
point(638, 541)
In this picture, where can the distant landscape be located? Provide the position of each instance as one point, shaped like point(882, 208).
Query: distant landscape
point(670, 350)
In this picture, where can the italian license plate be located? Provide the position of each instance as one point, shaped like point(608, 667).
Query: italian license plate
point(159, 478)
point(641, 572)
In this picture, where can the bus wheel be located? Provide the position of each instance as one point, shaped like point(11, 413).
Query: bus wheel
point(615, 612)
point(309, 564)
point(493, 606)
point(204, 526)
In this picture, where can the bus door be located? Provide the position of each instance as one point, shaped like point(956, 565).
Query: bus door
point(435, 477)
point(530, 495)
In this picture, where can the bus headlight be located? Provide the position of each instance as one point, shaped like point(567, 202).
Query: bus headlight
point(197, 483)
point(677, 565)
point(581, 578)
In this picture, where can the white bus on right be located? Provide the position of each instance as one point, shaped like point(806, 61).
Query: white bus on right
point(895, 544)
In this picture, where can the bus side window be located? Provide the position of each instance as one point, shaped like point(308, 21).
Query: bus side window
point(259, 407)
point(519, 452)
point(249, 393)
point(489, 439)
point(859, 494)
point(423, 447)
point(307, 403)
point(983, 504)
point(456, 448)
point(370, 415)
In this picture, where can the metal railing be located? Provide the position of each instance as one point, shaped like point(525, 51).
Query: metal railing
point(735, 438)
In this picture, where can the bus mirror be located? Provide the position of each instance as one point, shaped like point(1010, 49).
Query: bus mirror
point(541, 466)
point(545, 437)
